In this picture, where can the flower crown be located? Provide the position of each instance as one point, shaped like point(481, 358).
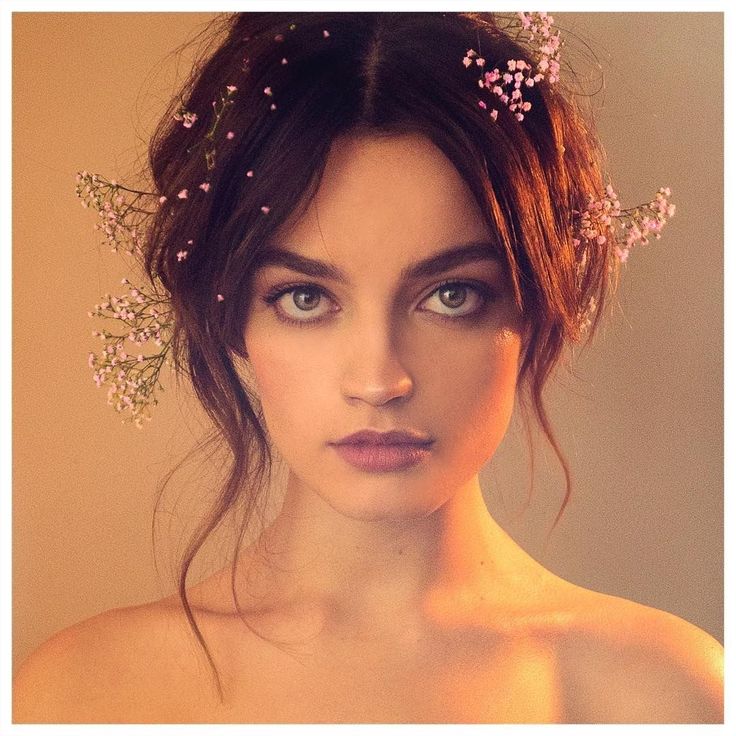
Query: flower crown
point(138, 345)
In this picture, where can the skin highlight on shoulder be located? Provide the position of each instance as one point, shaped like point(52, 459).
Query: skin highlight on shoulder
point(629, 663)
point(121, 665)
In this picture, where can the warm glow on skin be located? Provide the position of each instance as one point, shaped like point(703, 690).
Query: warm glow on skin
point(391, 222)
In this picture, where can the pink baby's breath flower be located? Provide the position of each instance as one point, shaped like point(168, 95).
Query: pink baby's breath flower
point(230, 135)
point(189, 118)
point(231, 88)
point(249, 173)
point(265, 210)
point(181, 255)
point(161, 199)
point(205, 186)
point(520, 72)
point(273, 106)
point(183, 194)
point(284, 61)
point(220, 298)
point(268, 91)
point(325, 34)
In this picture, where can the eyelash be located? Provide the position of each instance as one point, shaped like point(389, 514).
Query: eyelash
point(484, 291)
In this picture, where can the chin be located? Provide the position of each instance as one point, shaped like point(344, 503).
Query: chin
point(385, 497)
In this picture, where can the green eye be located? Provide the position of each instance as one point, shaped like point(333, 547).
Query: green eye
point(300, 303)
point(305, 299)
point(453, 296)
point(456, 299)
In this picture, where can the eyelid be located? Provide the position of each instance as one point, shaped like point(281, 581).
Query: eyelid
point(273, 295)
point(485, 292)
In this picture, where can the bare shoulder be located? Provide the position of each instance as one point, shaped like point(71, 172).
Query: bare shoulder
point(121, 665)
point(630, 663)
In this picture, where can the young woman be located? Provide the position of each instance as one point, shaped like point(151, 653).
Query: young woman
point(367, 256)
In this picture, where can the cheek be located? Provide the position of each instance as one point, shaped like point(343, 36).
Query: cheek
point(473, 383)
point(290, 381)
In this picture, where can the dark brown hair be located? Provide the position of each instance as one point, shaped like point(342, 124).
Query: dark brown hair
point(374, 74)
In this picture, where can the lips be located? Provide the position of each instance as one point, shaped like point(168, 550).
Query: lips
point(382, 452)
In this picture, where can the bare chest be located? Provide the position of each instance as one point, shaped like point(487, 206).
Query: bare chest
point(507, 681)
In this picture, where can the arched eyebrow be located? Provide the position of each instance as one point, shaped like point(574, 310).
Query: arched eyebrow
point(444, 260)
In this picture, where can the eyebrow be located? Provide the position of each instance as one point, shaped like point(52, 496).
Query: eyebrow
point(456, 255)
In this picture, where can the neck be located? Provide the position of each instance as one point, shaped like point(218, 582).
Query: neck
point(377, 573)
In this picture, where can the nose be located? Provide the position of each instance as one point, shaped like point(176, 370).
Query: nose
point(374, 371)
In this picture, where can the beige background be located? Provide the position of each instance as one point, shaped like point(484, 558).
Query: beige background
point(640, 419)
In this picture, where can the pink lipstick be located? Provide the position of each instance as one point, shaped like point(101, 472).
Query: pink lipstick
point(383, 452)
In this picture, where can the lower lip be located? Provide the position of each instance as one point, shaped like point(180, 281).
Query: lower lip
point(383, 458)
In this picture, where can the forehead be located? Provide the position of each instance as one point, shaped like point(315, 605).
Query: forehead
point(385, 201)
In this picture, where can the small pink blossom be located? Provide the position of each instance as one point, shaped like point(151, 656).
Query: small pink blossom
point(325, 34)
point(161, 199)
point(284, 61)
point(230, 135)
point(182, 255)
point(183, 194)
point(205, 186)
point(220, 298)
point(189, 118)
point(249, 173)
point(268, 91)
point(265, 210)
point(231, 88)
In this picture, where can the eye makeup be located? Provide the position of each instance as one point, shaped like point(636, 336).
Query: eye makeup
point(471, 289)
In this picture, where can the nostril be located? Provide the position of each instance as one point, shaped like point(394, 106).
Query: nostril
point(379, 393)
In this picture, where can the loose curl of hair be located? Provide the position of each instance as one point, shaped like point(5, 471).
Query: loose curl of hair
point(375, 74)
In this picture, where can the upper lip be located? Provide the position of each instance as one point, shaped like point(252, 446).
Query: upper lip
point(392, 437)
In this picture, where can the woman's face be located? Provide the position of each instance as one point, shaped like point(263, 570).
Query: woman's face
point(385, 308)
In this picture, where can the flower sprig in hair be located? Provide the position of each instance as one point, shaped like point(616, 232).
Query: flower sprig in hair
point(122, 211)
point(603, 218)
point(142, 318)
point(507, 84)
point(208, 140)
point(637, 223)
